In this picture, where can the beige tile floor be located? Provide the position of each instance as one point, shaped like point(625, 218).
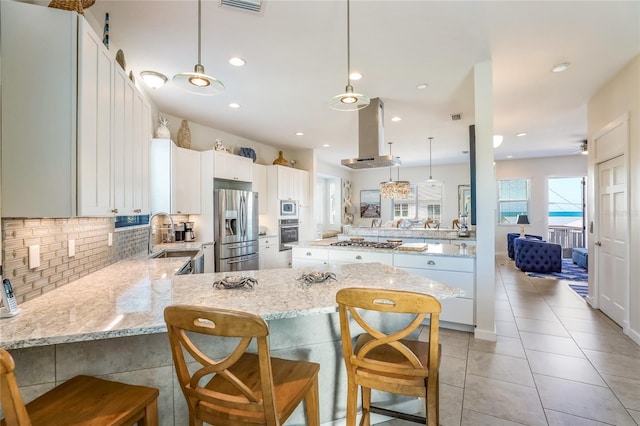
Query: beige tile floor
point(556, 362)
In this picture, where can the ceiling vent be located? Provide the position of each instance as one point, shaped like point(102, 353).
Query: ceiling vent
point(246, 5)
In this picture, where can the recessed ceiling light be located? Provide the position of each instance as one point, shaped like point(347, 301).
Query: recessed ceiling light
point(521, 134)
point(497, 140)
point(355, 76)
point(396, 118)
point(234, 105)
point(237, 62)
point(509, 156)
point(299, 134)
point(422, 86)
point(326, 145)
point(560, 67)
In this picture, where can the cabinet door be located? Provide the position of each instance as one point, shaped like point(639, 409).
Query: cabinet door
point(232, 167)
point(95, 88)
point(122, 142)
point(185, 181)
point(260, 186)
point(140, 147)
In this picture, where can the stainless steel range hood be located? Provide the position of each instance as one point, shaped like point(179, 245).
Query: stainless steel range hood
point(371, 139)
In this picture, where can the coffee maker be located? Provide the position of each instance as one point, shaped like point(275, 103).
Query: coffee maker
point(188, 232)
point(179, 231)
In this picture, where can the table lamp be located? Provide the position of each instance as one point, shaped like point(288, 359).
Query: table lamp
point(523, 220)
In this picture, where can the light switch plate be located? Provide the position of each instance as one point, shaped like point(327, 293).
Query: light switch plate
point(72, 248)
point(34, 256)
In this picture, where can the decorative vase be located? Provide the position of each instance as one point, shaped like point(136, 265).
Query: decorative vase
point(281, 161)
point(163, 131)
point(184, 135)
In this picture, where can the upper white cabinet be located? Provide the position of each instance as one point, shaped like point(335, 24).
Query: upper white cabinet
point(59, 127)
point(232, 167)
point(260, 186)
point(132, 121)
point(289, 183)
point(175, 178)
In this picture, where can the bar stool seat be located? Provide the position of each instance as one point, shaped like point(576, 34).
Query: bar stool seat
point(82, 400)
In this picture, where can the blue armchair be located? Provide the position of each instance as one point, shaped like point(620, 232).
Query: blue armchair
point(533, 255)
point(512, 236)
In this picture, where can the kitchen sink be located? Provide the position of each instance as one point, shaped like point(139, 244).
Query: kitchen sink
point(174, 253)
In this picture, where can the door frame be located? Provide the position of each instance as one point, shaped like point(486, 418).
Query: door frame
point(598, 154)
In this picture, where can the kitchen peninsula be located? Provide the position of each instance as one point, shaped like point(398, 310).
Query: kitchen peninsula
point(110, 324)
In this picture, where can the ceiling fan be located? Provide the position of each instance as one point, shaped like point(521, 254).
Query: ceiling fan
point(584, 148)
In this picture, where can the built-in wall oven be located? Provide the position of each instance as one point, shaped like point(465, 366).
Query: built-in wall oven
point(288, 232)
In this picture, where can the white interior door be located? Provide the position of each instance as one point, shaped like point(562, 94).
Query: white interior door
point(612, 239)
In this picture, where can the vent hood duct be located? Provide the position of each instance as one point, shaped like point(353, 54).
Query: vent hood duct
point(371, 139)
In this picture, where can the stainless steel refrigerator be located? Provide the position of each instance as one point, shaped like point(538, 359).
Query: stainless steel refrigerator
point(235, 224)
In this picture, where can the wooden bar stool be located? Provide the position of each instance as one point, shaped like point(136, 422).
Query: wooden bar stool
point(241, 387)
point(386, 361)
point(82, 400)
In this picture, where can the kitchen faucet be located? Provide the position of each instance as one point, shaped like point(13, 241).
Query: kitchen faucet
point(171, 230)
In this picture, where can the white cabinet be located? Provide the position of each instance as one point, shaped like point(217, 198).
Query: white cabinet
point(451, 270)
point(175, 178)
point(59, 126)
point(356, 256)
point(269, 249)
point(301, 256)
point(131, 124)
point(289, 183)
point(260, 186)
point(232, 167)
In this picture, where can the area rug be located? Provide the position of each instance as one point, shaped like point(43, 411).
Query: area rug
point(582, 290)
point(570, 272)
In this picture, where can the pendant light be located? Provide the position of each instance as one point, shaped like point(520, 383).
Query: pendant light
point(431, 179)
point(197, 81)
point(349, 101)
point(397, 189)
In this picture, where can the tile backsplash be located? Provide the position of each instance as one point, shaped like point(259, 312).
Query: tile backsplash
point(56, 267)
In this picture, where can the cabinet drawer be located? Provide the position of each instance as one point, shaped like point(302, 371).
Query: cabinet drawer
point(300, 263)
point(457, 310)
point(354, 256)
point(463, 280)
point(268, 241)
point(310, 253)
point(450, 263)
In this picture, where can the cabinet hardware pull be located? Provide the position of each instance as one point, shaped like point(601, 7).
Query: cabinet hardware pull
point(598, 243)
point(308, 253)
point(114, 211)
point(359, 257)
point(431, 262)
point(137, 211)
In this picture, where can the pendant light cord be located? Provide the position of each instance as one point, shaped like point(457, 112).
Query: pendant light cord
point(199, 31)
point(348, 42)
point(430, 175)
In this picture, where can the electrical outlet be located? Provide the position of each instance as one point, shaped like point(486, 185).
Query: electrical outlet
point(34, 256)
point(72, 248)
point(110, 239)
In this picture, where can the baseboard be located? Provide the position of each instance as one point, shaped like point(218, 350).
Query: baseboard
point(490, 335)
point(634, 335)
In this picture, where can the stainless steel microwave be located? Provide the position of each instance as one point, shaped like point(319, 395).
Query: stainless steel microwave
point(288, 209)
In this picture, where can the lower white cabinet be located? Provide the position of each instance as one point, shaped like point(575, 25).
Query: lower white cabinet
point(301, 257)
point(354, 256)
point(268, 249)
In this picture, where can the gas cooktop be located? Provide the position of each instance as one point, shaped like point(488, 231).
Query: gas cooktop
point(371, 244)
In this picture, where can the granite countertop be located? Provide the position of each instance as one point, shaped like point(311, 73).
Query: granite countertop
point(128, 298)
point(458, 250)
point(442, 234)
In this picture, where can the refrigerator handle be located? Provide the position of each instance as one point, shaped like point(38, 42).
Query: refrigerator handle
point(243, 215)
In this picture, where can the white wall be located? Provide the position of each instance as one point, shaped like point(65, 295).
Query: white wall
point(619, 96)
point(537, 170)
point(451, 175)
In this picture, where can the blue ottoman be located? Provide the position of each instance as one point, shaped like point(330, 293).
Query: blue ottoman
point(512, 236)
point(533, 255)
point(580, 257)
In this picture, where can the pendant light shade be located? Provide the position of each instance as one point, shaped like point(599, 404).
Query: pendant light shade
point(349, 100)
point(198, 82)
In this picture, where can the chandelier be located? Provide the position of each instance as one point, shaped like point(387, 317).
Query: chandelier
point(397, 189)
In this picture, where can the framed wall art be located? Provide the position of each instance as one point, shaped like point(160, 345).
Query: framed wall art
point(370, 203)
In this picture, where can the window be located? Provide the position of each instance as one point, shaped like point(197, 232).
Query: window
point(513, 199)
point(424, 202)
